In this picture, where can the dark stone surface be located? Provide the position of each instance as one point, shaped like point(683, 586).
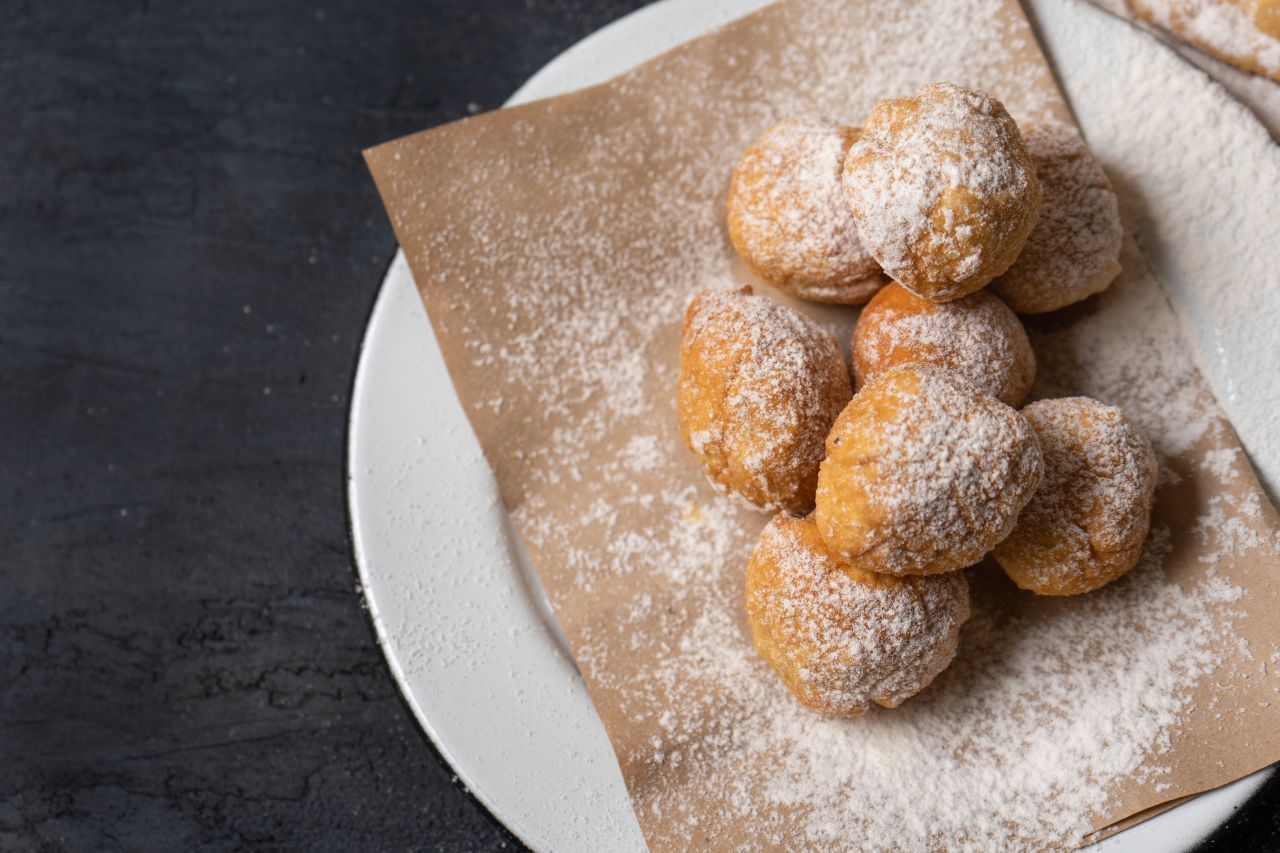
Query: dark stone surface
point(189, 247)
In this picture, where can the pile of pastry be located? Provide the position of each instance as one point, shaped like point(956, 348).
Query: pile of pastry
point(949, 219)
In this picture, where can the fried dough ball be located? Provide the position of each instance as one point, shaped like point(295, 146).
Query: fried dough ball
point(942, 189)
point(975, 336)
point(1074, 249)
point(841, 637)
point(1086, 524)
point(759, 388)
point(1245, 33)
point(924, 474)
point(788, 218)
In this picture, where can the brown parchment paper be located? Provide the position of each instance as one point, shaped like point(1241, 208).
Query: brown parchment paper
point(555, 246)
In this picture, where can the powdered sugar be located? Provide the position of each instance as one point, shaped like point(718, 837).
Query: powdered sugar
point(1102, 464)
point(1216, 258)
point(1086, 523)
point(644, 563)
point(1040, 709)
point(1228, 529)
point(787, 216)
point(1073, 251)
point(923, 475)
point(1235, 31)
point(1222, 464)
point(975, 336)
point(759, 387)
point(1258, 93)
point(1121, 350)
point(941, 189)
point(841, 637)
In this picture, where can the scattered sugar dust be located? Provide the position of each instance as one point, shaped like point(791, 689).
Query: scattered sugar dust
point(1047, 708)
point(1048, 705)
point(1228, 29)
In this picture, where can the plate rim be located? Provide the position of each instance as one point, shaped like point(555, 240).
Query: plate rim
point(359, 571)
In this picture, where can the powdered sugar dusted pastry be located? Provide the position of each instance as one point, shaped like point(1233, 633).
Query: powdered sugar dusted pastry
point(924, 474)
point(942, 189)
point(841, 637)
point(1245, 33)
point(1074, 250)
point(1086, 524)
point(976, 336)
point(788, 218)
point(759, 388)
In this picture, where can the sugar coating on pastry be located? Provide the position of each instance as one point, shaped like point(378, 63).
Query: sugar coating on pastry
point(760, 386)
point(1074, 249)
point(841, 637)
point(975, 336)
point(942, 189)
point(1086, 524)
point(788, 218)
point(924, 474)
point(1245, 33)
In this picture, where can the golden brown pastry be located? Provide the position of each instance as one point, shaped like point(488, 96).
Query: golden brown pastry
point(788, 218)
point(841, 637)
point(975, 336)
point(759, 388)
point(942, 189)
point(1245, 33)
point(1074, 250)
point(1086, 524)
point(924, 474)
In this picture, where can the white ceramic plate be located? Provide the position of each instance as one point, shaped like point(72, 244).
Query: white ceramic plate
point(457, 610)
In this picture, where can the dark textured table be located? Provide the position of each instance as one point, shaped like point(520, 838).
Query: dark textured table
point(189, 248)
